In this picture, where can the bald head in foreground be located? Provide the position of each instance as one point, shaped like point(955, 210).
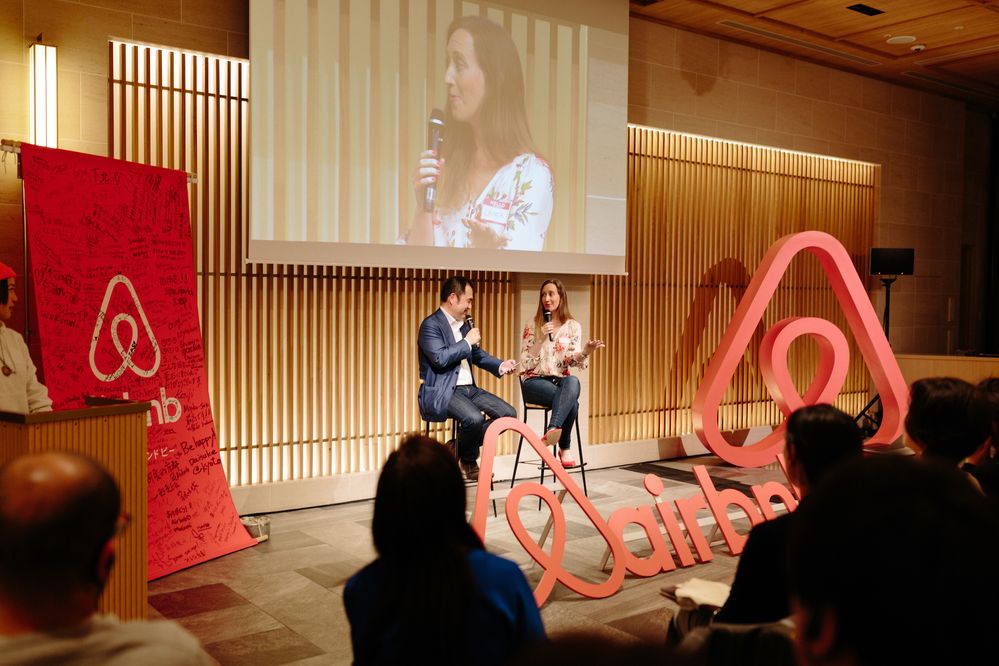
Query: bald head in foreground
point(60, 515)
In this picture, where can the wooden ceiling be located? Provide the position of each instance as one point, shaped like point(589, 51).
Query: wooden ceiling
point(955, 51)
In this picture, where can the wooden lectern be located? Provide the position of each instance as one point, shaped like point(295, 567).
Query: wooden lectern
point(112, 432)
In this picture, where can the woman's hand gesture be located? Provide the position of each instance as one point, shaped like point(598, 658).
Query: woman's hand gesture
point(482, 234)
point(592, 345)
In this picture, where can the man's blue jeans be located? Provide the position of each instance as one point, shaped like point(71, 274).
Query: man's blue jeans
point(467, 407)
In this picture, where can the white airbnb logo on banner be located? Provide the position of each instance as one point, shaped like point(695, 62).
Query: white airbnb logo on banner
point(126, 354)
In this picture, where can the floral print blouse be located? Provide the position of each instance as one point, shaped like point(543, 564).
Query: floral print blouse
point(517, 202)
point(557, 355)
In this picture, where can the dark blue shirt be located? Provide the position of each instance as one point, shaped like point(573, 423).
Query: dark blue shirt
point(504, 618)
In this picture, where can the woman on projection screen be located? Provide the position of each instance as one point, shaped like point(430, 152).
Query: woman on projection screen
point(20, 390)
point(493, 189)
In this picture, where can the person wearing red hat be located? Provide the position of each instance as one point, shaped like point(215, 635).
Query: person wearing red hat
point(20, 390)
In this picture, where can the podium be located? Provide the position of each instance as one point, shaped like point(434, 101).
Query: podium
point(112, 432)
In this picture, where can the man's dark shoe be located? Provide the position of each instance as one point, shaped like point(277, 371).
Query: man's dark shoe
point(469, 469)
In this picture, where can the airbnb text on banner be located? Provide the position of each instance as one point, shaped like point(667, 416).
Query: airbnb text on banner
point(113, 273)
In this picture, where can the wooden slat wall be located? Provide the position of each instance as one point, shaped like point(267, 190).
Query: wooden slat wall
point(312, 370)
point(701, 214)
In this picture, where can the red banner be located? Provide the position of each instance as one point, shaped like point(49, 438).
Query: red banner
point(113, 274)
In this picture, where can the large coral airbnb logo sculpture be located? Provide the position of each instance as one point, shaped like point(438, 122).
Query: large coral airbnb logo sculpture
point(834, 359)
point(834, 354)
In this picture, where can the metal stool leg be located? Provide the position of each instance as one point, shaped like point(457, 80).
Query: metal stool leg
point(544, 428)
point(516, 460)
point(582, 463)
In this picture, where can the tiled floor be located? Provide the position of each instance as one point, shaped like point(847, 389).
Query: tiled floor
point(281, 601)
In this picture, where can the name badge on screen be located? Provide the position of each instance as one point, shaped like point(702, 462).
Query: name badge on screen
point(494, 211)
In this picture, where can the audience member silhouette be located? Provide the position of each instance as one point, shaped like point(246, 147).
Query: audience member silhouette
point(892, 562)
point(947, 419)
point(434, 595)
point(817, 439)
point(60, 515)
point(985, 462)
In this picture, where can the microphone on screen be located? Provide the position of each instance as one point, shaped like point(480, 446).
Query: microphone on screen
point(435, 135)
point(471, 325)
point(548, 320)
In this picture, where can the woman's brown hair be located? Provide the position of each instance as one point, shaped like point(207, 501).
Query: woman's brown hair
point(503, 114)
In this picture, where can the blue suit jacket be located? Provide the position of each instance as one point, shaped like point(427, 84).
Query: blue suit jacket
point(440, 360)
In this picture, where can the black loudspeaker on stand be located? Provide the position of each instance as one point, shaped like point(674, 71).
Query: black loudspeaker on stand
point(887, 263)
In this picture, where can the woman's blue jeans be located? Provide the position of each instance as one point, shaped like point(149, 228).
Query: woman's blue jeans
point(561, 394)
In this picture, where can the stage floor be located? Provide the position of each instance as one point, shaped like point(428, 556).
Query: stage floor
point(281, 602)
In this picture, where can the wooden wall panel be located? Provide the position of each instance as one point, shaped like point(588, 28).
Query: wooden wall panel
point(701, 214)
point(312, 370)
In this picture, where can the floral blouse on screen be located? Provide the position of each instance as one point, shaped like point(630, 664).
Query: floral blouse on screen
point(557, 355)
point(517, 203)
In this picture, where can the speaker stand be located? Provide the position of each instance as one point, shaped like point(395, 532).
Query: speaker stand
point(870, 416)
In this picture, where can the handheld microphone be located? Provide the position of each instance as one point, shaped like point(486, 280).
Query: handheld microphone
point(548, 320)
point(471, 325)
point(435, 135)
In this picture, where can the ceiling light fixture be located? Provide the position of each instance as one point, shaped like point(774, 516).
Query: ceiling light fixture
point(42, 88)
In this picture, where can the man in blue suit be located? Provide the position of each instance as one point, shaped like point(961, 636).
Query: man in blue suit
point(449, 346)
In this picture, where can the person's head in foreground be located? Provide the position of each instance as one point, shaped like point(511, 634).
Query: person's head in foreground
point(420, 504)
point(892, 561)
point(423, 539)
point(817, 438)
point(948, 419)
point(59, 516)
point(989, 390)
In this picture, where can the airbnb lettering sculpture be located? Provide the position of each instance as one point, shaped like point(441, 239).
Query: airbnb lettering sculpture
point(683, 523)
point(678, 525)
point(833, 351)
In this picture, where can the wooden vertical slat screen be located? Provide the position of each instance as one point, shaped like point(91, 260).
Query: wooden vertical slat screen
point(311, 370)
point(701, 214)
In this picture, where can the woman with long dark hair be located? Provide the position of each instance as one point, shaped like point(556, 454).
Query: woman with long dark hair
point(550, 344)
point(434, 595)
point(493, 188)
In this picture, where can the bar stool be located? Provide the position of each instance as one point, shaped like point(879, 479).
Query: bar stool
point(454, 433)
point(528, 406)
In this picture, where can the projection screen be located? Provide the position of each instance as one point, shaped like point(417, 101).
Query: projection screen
point(533, 97)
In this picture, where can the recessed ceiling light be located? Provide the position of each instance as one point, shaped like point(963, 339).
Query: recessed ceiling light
point(901, 39)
